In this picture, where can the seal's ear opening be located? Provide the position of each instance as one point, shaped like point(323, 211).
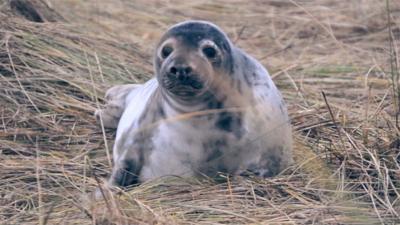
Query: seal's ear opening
point(229, 62)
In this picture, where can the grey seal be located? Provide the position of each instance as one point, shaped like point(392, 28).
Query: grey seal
point(210, 108)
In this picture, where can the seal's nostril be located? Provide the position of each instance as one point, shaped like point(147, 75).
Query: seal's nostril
point(173, 70)
point(180, 70)
point(181, 77)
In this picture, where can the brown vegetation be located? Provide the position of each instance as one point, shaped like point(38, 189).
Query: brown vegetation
point(336, 63)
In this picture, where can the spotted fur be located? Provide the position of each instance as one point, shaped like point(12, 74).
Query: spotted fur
point(232, 119)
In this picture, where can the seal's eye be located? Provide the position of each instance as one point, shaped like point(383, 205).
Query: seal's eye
point(166, 51)
point(210, 52)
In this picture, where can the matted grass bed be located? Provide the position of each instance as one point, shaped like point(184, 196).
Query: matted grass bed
point(336, 63)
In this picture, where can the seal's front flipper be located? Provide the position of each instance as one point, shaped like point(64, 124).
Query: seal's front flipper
point(125, 173)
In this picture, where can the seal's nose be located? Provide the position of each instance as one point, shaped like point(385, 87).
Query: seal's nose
point(180, 71)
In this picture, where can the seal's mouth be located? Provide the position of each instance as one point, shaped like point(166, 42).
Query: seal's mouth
point(185, 86)
point(189, 83)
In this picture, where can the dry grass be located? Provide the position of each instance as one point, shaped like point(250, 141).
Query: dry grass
point(53, 77)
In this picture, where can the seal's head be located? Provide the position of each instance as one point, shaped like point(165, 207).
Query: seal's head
point(189, 56)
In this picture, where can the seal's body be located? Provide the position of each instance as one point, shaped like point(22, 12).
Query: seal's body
point(211, 108)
